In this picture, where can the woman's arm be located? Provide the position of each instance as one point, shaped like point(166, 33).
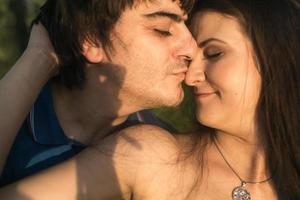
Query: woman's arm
point(96, 173)
point(22, 84)
point(117, 167)
point(71, 180)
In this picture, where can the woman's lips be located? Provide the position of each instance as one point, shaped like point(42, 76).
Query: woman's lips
point(202, 95)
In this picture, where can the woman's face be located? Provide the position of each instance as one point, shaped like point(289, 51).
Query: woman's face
point(224, 75)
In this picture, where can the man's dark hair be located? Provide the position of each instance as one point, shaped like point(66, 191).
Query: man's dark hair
point(71, 22)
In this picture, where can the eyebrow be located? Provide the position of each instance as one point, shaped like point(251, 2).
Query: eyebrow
point(205, 42)
point(172, 16)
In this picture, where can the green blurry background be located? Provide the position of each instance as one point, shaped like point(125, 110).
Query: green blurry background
point(15, 18)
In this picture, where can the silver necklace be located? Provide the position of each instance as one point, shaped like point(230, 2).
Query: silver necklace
point(240, 192)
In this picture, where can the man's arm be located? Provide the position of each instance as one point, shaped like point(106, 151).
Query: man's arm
point(22, 84)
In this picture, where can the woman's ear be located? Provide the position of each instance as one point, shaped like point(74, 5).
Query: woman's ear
point(94, 53)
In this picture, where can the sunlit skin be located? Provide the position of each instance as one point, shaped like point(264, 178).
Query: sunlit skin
point(142, 162)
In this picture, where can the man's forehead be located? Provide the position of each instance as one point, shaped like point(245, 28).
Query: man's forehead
point(151, 7)
point(137, 2)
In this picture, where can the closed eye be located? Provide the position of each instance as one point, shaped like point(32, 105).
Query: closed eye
point(163, 32)
point(213, 55)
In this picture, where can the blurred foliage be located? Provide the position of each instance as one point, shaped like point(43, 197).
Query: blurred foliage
point(15, 19)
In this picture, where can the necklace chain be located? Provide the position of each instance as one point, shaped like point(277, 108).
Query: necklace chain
point(242, 181)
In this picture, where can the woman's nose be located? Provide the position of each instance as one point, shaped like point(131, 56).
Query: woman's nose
point(196, 71)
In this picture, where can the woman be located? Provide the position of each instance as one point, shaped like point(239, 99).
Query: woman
point(247, 88)
point(246, 80)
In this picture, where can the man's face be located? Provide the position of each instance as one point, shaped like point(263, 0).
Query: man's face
point(153, 45)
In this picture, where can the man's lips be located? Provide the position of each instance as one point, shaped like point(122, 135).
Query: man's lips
point(180, 73)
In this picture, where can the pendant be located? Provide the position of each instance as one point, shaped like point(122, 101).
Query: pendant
point(240, 193)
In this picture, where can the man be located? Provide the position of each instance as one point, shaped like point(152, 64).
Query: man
point(116, 58)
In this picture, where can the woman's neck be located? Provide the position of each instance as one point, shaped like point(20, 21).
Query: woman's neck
point(245, 155)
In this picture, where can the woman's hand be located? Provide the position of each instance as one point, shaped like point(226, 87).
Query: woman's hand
point(40, 44)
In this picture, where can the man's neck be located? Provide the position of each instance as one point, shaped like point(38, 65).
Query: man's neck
point(84, 116)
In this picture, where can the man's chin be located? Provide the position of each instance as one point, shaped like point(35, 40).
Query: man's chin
point(176, 100)
point(167, 98)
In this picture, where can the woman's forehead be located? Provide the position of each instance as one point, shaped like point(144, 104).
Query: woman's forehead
point(209, 24)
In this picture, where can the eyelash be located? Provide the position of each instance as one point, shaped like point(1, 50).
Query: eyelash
point(163, 33)
point(213, 56)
